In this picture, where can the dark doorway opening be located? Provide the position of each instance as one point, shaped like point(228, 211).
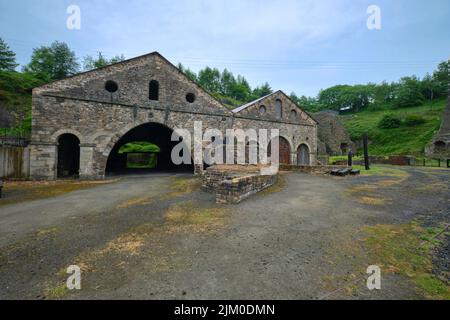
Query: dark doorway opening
point(68, 156)
point(344, 148)
point(155, 133)
point(439, 146)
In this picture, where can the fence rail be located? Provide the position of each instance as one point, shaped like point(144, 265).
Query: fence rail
point(444, 162)
point(11, 141)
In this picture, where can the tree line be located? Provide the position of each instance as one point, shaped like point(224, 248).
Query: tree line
point(409, 91)
point(58, 61)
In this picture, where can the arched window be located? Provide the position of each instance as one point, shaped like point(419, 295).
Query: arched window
point(153, 91)
point(293, 115)
point(262, 110)
point(278, 109)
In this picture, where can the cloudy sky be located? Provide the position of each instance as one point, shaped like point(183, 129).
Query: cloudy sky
point(300, 46)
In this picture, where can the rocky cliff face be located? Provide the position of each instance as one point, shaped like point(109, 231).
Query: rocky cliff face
point(334, 138)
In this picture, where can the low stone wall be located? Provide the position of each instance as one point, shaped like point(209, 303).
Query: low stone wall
point(232, 185)
point(239, 188)
point(310, 169)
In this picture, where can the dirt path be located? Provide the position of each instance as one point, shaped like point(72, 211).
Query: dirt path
point(303, 239)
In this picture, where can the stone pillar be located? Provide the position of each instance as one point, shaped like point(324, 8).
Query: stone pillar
point(43, 157)
point(294, 158)
point(86, 161)
point(312, 158)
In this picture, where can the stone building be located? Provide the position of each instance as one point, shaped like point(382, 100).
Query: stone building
point(439, 147)
point(79, 123)
point(334, 139)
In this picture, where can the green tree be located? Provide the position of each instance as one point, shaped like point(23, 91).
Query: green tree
point(441, 76)
point(188, 72)
point(7, 57)
point(409, 93)
point(227, 83)
point(209, 78)
point(262, 91)
point(429, 87)
point(241, 90)
point(55, 62)
point(91, 63)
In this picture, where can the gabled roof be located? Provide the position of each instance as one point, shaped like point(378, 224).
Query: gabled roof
point(248, 104)
point(251, 103)
point(144, 56)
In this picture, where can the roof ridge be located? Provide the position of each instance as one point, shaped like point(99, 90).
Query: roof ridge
point(248, 104)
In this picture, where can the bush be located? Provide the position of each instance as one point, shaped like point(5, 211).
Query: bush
point(389, 121)
point(414, 120)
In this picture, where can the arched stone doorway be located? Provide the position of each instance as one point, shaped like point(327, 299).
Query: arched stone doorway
point(303, 155)
point(439, 146)
point(68, 156)
point(154, 133)
point(284, 152)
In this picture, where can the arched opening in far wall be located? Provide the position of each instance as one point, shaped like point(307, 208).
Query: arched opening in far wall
point(145, 148)
point(284, 151)
point(303, 155)
point(68, 156)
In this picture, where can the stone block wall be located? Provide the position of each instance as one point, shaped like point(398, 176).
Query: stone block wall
point(239, 188)
point(234, 186)
point(319, 169)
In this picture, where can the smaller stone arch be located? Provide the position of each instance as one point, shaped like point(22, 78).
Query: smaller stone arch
point(303, 155)
point(439, 146)
point(55, 136)
point(285, 147)
point(68, 156)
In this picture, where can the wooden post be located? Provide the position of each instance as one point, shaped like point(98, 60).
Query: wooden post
point(350, 159)
point(366, 152)
point(439, 162)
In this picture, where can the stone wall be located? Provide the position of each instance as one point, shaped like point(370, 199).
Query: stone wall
point(318, 169)
point(439, 147)
point(239, 188)
point(233, 186)
point(333, 135)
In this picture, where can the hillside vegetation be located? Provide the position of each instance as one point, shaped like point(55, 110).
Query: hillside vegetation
point(407, 138)
point(15, 101)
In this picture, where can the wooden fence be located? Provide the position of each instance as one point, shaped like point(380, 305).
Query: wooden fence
point(14, 162)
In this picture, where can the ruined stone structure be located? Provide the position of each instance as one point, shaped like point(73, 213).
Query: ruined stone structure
point(334, 138)
point(440, 145)
point(79, 123)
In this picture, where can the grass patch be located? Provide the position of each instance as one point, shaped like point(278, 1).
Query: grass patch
point(21, 191)
point(277, 186)
point(135, 202)
point(181, 185)
point(382, 170)
point(196, 218)
point(404, 140)
point(372, 201)
point(400, 249)
point(57, 292)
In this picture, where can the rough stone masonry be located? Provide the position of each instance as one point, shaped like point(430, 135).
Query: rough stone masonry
point(99, 107)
